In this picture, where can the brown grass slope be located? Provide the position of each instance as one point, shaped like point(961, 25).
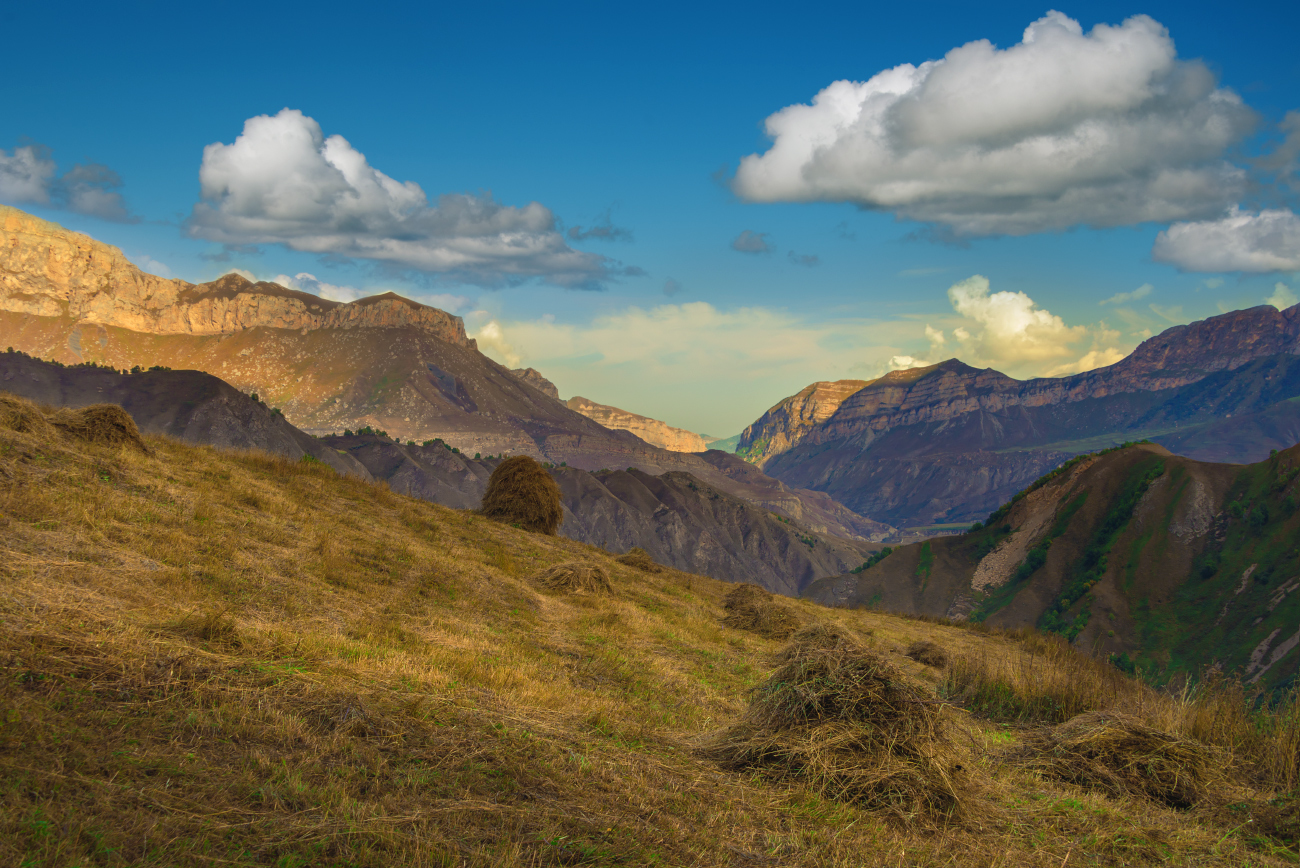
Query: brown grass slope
point(1170, 562)
point(233, 659)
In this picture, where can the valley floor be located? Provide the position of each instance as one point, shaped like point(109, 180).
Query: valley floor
point(213, 658)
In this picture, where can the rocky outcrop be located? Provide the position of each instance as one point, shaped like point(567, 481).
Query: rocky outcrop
point(781, 427)
point(45, 270)
point(534, 378)
point(652, 431)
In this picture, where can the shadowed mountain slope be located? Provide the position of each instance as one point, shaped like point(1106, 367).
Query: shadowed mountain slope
point(188, 405)
point(1171, 562)
point(681, 520)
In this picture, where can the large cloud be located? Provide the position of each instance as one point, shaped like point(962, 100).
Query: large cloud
point(28, 174)
point(1241, 241)
point(282, 181)
point(1105, 128)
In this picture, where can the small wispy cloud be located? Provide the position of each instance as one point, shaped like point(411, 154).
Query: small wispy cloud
point(750, 241)
point(1125, 297)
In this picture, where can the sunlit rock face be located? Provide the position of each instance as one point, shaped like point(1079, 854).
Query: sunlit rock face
point(48, 271)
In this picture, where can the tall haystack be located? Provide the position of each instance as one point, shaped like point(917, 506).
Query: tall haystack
point(521, 492)
point(1120, 755)
point(841, 719)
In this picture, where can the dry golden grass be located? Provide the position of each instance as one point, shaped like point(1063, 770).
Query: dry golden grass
point(229, 659)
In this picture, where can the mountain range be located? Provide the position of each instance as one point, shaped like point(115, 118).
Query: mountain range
point(947, 443)
point(383, 363)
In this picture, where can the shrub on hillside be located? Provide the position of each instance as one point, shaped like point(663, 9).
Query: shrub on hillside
point(521, 492)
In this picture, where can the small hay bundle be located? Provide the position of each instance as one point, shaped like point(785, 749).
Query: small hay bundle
point(1121, 755)
point(769, 620)
point(23, 417)
point(575, 576)
point(521, 492)
point(101, 424)
point(745, 595)
point(841, 719)
point(640, 559)
point(926, 652)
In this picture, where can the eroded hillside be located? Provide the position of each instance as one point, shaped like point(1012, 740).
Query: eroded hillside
point(1172, 565)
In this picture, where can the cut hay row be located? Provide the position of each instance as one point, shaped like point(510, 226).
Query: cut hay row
point(575, 576)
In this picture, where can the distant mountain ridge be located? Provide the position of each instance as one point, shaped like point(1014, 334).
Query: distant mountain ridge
point(949, 442)
point(652, 431)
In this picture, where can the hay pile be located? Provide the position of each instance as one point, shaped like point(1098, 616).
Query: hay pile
point(752, 608)
point(521, 492)
point(575, 576)
point(928, 653)
point(745, 595)
point(24, 417)
point(102, 424)
point(837, 717)
point(1121, 755)
point(640, 559)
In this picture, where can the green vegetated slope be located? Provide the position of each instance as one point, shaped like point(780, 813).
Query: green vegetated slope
point(216, 658)
point(1168, 564)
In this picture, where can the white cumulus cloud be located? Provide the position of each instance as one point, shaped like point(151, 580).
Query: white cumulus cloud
point(1011, 328)
point(1104, 128)
point(1240, 241)
point(283, 181)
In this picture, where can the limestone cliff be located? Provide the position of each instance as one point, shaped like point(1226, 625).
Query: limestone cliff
point(784, 425)
point(48, 271)
point(652, 431)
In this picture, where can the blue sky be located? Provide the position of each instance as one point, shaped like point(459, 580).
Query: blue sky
point(634, 122)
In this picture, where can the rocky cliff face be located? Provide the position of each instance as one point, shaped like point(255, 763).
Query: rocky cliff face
point(48, 271)
point(1189, 573)
point(650, 430)
point(781, 427)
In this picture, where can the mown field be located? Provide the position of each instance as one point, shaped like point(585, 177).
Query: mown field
point(213, 658)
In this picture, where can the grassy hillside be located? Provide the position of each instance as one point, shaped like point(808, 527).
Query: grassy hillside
point(213, 658)
point(1169, 564)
